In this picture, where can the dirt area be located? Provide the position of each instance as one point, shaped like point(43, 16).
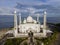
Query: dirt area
point(57, 40)
point(2, 32)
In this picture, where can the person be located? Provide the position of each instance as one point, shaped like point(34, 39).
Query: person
point(31, 37)
point(30, 34)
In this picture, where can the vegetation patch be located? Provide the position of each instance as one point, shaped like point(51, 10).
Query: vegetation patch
point(48, 40)
point(15, 41)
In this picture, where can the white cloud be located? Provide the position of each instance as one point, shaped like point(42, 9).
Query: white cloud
point(53, 2)
point(7, 10)
point(49, 2)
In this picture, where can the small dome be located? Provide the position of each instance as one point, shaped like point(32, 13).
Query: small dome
point(29, 19)
point(35, 21)
point(24, 21)
point(41, 26)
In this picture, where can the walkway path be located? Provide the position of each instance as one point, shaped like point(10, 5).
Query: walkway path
point(27, 42)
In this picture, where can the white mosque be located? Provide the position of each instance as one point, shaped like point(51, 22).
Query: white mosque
point(30, 24)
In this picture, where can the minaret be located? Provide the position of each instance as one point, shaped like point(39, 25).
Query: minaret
point(19, 18)
point(44, 20)
point(19, 21)
point(38, 15)
point(38, 18)
point(44, 25)
point(15, 24)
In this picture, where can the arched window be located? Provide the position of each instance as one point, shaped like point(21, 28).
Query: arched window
point(41, 31)
point(18, 30)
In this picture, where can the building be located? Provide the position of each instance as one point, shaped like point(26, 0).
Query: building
point(29, 24)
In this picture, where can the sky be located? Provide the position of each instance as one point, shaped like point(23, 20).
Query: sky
point(10, 4)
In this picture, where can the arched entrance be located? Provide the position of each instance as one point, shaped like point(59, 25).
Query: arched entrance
point(30, 29)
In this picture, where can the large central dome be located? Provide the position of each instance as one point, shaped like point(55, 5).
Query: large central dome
point(29, 19)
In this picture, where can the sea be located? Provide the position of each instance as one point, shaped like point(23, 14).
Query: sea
point(7, 21)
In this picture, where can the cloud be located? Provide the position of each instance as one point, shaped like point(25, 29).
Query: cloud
point(30, 2)
point(7, 10)
point(40, 2)
point(53, 2)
